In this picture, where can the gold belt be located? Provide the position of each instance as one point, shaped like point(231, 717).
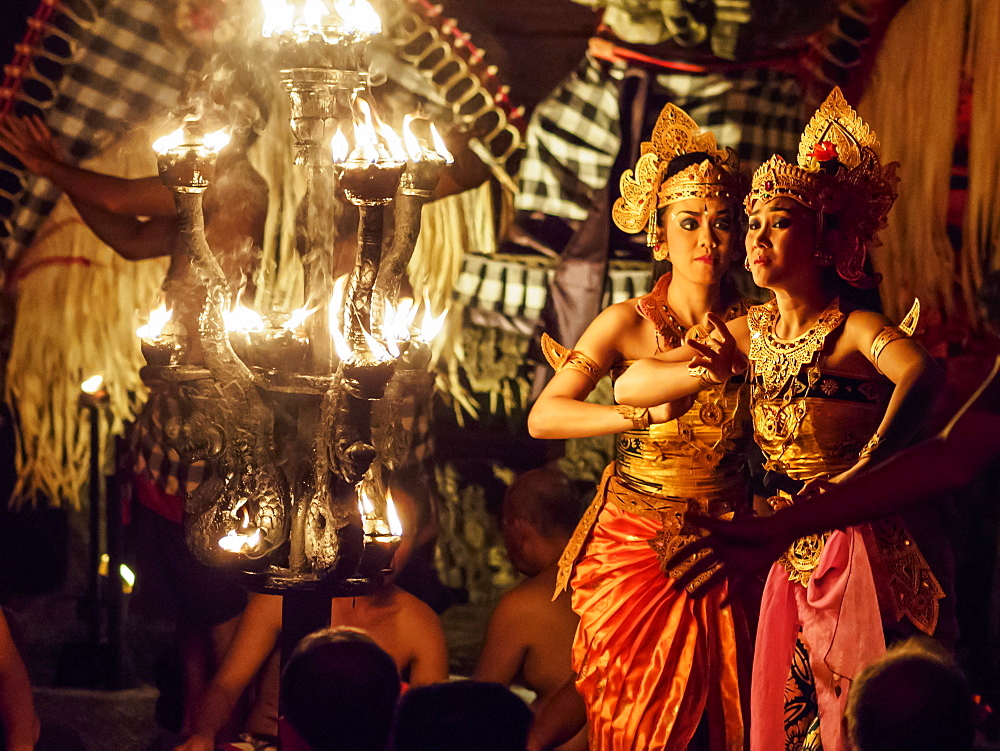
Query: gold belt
point(674, 532)
point(802, 556)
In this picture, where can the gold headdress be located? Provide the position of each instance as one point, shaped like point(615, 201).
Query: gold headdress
point(645, 190)
point(838, 173)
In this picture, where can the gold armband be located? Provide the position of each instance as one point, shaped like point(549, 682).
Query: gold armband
point(871, 447)
point(639, 416)
point(887, 335)
point(891, 333)
point(560, 357)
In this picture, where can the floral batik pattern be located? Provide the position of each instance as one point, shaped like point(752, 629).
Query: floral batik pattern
point(801, 708)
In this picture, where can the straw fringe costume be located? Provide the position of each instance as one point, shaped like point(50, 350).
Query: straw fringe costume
point(651, 660)
point(828, 596)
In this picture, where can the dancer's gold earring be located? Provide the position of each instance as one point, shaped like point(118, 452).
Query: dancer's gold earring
point(661, 252)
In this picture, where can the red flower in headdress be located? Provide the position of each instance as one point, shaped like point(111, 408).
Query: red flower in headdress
point(825, 151)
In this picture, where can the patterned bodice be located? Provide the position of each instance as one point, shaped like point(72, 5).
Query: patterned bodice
point(807, 421)
point(839, 415)
point(702, 453)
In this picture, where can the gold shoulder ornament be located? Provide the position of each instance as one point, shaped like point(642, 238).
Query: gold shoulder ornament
point(560, 358)
point(891, 333)
point(643, 189)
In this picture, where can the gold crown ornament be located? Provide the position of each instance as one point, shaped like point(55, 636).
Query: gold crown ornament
point(838, 173)
point(644, 189)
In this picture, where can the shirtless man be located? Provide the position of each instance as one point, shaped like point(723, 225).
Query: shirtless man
point(406, 628)
point(136, 217)
point(530, 636)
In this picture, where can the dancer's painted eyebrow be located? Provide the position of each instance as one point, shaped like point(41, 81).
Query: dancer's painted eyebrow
point(698, 213)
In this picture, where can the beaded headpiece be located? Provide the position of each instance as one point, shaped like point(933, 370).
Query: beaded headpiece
point(645, 190)
point(838, 173)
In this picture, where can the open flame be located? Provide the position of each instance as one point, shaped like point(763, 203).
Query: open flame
point(355, 17)
point(358, 17)
point(398, 320)
point(439, 145)
point(395, 525)
point(430, 325)
point(217, 141)
point(242, 318)
point(415, 152)
point(213, 142)
point(339, 147)
point(93, 384)
point(297, 317)
point(365, 137)
point(241, 539)
point(373, 524)
point(340, 345)
point(378, 349)
point(158, 319)
point(373, 140)
point(163, 144)
point(391, 141)
point(367, 510)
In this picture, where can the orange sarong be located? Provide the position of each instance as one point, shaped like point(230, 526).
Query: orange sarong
point(650, 659)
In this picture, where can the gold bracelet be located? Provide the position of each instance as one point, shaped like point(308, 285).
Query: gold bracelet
point(871, 447)
point(638, 416)
point(703, 374)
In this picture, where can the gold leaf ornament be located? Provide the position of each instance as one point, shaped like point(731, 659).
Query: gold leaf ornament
point(638, 194)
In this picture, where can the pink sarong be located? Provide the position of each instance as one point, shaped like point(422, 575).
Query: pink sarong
point(841, 629)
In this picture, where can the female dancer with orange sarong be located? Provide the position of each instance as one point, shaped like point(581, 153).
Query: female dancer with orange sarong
point(832, 388)
point(651, 661)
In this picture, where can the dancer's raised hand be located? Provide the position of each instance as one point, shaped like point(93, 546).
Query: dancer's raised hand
point(719, 356)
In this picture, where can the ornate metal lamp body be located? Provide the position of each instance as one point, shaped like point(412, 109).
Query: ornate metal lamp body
point(295, 493)
point(238, 516)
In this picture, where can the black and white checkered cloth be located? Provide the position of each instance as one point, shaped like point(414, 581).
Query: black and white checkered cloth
point(509, 291)
point(122, 75)
point(573, 136)
point(571, 143)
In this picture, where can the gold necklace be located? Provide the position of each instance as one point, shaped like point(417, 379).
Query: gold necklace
point(778, 362)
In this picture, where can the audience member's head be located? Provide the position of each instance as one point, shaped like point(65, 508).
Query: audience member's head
point(338, 692)
point(540, 512)
point(459, 716)
point(913, 699)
